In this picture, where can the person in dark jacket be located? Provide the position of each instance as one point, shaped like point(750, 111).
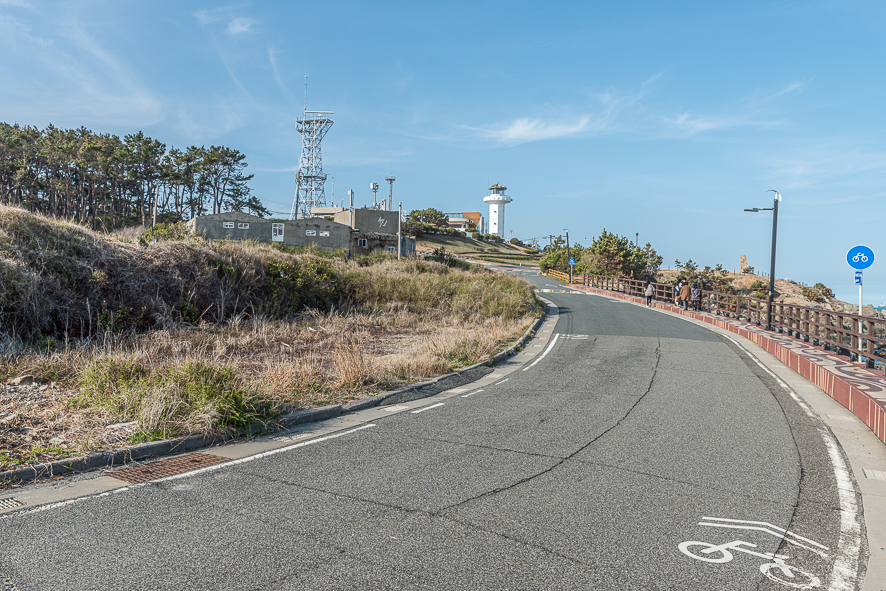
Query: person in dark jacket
point(695, 297)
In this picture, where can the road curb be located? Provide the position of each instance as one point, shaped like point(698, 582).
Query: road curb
point(417, 391)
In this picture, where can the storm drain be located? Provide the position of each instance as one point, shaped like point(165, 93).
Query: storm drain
point(164, 468)
point(10, 503)
point(875, 474)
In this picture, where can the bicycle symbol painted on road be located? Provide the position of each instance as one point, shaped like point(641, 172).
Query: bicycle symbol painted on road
point(777, 569)
point(860, 256)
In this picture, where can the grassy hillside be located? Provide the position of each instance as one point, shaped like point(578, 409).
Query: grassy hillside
point(193, 336)
point(480, 250)
point(60, 280)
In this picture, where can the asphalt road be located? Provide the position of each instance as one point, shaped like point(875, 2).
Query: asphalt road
point(635, 433)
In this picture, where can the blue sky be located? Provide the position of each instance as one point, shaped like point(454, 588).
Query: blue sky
point(665, 119)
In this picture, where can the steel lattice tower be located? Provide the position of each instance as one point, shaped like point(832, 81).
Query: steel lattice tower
point(310, 179)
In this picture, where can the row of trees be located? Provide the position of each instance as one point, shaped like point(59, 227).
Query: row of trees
point(608, 254)
point(101, 180)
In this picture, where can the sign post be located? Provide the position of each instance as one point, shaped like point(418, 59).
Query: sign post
point(571, 268)
point(860, 258)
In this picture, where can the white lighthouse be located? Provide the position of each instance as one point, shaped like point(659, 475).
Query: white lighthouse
point(497, 201)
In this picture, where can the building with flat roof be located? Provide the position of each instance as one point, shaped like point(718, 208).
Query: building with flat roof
point(317, 231)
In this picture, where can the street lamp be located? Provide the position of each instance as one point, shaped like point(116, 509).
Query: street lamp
point(567, 255)
point(774, 210)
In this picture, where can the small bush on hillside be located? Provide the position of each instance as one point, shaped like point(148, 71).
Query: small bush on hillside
point(167, 231)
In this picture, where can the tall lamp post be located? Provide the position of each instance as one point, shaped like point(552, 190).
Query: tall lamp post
point(774, 210)
point(567, 255)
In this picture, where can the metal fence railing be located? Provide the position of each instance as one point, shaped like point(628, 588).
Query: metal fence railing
point(858, 337)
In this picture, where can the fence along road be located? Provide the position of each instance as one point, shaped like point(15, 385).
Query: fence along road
point(642, 452)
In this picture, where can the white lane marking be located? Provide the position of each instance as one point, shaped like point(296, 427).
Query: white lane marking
point(415, 412)
point(472, 393)
point(768, 528)
point(845, 566)
point(502, 382)
point(575, 337)
point(546, 351)
point(214, 467)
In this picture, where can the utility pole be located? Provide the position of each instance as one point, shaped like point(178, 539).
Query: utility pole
point(399, 235)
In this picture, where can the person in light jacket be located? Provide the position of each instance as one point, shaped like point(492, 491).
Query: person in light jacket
point(685, 294)
point(650, 291)
point(695, 297)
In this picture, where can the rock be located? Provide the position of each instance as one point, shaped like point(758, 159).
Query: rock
point(56, 441)
point(27, 381)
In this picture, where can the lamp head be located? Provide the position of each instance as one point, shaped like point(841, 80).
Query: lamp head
point(777, 194)
point(753, 209)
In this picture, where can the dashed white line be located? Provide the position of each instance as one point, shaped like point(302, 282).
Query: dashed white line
point(546, 351)
point(502, 382)
point(415, 412)
point(472, 393)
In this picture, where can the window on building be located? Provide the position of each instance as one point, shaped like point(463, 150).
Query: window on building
point(324, 234)
point(392, 249)
point(310, 232)
point(243, 226)
point(361, 242)
point(228, 224)
point(277, 232)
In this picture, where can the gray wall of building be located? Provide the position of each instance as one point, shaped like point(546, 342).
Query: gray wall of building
point(326, 234)
point(370, 220)
point(378, 242)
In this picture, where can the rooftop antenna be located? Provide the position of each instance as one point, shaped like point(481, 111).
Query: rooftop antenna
point(310, 179)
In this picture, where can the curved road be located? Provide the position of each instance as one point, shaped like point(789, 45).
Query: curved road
point(620, 436)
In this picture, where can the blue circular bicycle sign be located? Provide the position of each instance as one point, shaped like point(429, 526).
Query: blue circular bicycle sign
point(860, 257)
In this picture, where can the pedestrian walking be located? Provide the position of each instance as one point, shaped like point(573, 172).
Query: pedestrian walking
point(650, 291)
point(685, 294)
point(695, 296)
point(677, 287)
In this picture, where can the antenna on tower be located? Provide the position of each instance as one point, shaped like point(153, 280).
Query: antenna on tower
point(310, 179)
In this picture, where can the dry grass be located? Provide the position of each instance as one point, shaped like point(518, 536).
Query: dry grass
point(277, 367)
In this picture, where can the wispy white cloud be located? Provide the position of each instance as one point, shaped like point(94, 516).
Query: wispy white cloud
point(753, 111)
point(524, 129)
point(240, 25)
point(98, 85)
point(606, 116)
point(272, 57)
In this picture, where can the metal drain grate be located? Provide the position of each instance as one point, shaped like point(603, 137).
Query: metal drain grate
point(164, 468)
point(10, 503)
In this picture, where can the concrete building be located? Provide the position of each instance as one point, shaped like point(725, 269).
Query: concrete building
point(318, 231)
point(369, 220)
point(497, 201)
